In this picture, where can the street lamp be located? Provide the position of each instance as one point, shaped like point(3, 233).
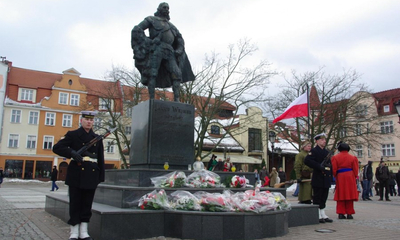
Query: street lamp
point(278, 150)
point(272, 138)
point(397, 105)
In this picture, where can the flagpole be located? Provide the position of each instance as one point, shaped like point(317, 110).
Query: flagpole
point(308, 113)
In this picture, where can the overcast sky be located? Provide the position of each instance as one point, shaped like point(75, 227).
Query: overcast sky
point(91, 36)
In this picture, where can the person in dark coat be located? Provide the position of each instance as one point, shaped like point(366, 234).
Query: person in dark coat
point(282, 176)
point(263, 174)
point(367, 179)
point(392, 183)
point(382, 175)
point(398, 182)
point(321, 177)
point(219, 166)
point(85, 172)
point(1, 176)
point(212, 163)
point(53, 179)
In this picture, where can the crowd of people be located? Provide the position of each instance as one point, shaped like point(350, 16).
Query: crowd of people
point(262, 176)
point(315, 175)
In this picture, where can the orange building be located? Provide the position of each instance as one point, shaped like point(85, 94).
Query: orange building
point(39, 108)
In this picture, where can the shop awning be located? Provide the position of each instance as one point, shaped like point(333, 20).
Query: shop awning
point(244, 159)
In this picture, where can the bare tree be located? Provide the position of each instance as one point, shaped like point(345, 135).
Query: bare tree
point(116, 97)
point(223, 86)
point(339, 106)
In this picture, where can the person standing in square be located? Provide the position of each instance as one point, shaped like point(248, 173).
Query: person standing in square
point(85, 172)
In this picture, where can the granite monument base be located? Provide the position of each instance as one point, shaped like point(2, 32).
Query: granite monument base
point(162, 131)
point(115, 223)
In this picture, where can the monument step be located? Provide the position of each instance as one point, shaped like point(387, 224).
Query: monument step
point(109, 222)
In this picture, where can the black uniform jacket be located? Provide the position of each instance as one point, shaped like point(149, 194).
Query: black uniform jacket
point(320, 178)
point(88, 174)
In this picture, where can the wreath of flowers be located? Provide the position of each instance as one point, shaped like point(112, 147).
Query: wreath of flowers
point(155, 200)
point(203, 179)
point(238, 182)
point(176, 179)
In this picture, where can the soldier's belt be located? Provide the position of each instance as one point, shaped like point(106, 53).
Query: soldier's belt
point(88, 159)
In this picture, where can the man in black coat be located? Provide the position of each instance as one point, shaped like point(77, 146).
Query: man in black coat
point(85, 172)
point(367, 179)
point(382, 175)
point(321, 178)
point(53, 178)
point(398, 182)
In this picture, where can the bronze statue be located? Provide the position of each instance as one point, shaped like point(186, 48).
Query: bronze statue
point(160, 58)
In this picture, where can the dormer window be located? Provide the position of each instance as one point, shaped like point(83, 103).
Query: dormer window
point(215, 130)
point(26, 95)
point(386, 109)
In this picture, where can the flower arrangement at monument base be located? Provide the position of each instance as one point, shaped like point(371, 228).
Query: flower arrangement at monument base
point(155, 200)
point(184, 200)
point(203, 179)
point(176, 179)
point(282, 202)
point(238, 182)
point(213, 202)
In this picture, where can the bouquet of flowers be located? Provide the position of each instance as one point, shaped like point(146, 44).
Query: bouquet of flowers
point(184, 200)
point(214, 202)
point(283, 204)
point(174, 179)
point(203, 179)
point(155, 200)
point(238, 182)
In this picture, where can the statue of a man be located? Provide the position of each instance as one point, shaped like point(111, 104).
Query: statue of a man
point(160, 58)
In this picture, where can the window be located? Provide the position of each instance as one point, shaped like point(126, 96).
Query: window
point(26, 94)
point(67, 120)
point(361, 110)
point(13, 168)
point(110, 147)
point(386, 108)
point(97, 122)
point(50, 119)
point(358, 130)
point(74, 101)
point(33, 117)
point(359, 150)
point(387, 127)
point(63, 98)
point(43, 169)
point(388, 150)
point(105, 104)
point(215, 130)
point(48, 142)
point(343, 132)
point(368, 129)
point(129, 112)
point(16, 116)
point(255, 140)
point(31, 141)
point(128, 130)
point(13, 140)
point(369, 150)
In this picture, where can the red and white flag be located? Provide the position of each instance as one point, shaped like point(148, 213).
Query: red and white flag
point(298, 108)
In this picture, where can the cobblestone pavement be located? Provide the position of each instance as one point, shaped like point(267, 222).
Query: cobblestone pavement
point(23, 217)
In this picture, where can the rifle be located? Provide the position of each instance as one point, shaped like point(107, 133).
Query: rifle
point(95, 140)
point(279, 185)
point(326, 163)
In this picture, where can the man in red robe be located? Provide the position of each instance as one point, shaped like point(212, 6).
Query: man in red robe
point(345, 170)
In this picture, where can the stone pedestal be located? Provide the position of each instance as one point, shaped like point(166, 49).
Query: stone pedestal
point(162, 131)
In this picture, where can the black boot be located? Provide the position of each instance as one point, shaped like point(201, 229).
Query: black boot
point(341, 216)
